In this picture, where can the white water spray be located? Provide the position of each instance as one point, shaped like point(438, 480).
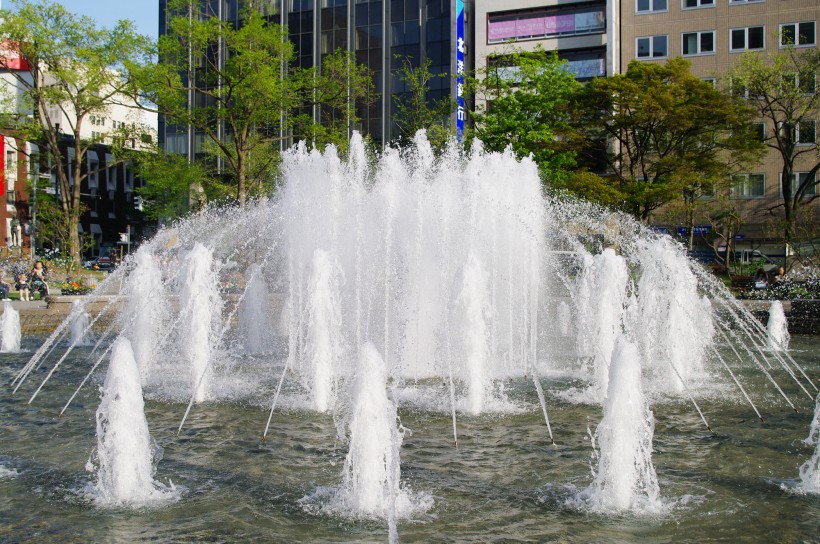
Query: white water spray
point(324, 344)
point(810, 470)
point(254, 315)
point(124, 453)
point(372, 467)
point(601, 299)
point(10, 333)
point(777, 328)
point(674, 322)
point(200, 307)
point(79, 319)
point(146, 311)
point(625, 479)
point(473, 331)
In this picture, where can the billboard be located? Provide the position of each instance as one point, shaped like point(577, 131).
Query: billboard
point(11, 58)
point(461, 48)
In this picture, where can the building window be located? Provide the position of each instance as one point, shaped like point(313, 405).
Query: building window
point(699, 43)
point(650, 6)
point(688, 4)
point(710, 80)
point(804, 178)
point(805, 132)
point(759, 131)
point(652, 47)
point(748, 186)
point(798, 34)
point(747, 38)
point(805, 82)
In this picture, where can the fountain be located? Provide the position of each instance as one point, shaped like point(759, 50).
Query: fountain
point(810, 470)
point(625, 478)
point(255, 324)
point(124, 455)
point(777, 327)
point(324, 345)
point(200, 303)
point(79, 320)
point(9, 329)
point(437, 290)
point(601, 300)
point(146, 310)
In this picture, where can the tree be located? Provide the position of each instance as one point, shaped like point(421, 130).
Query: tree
point(781, 86)
point(522, 100)
point(235, 85)
point(79, 70)
point(336, 90)
point(414, 111)
point(172, 185)
point(225, 81)
point(669, 133)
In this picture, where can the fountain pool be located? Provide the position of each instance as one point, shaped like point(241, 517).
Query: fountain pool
point(504, 481)
point(413, 348)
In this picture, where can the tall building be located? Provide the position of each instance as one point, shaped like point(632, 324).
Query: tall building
point(381, 33)
point(712, 34)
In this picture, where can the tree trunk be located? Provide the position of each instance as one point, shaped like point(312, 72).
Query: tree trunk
point(240, 188)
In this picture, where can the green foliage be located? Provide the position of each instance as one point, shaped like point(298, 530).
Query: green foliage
point(239, 92)
point(602, 190)
point(171, 184)
point(414, 111)
point(80, 70)
point(528, 101)
point(670, 134)
point(782, 88)
point(338, 89)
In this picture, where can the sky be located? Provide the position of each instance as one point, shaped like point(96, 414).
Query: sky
point(145, 13)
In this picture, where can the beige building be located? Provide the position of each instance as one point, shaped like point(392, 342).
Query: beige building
point(601, 38)
point(712, 34)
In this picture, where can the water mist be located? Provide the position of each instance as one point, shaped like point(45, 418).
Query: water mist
point(10, 332)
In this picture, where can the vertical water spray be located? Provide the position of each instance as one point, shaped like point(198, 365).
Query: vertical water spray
point(674, 319)
point(254, 314)
point(777, 328)
point(200, 307)
point(10, 332)
point(79, 319)
point(146, 310)
point(124, 453)
point(810, 470)
point(564, 318)
point(625, 478)
point(600, 299)
point(372, 467)
point(324, 321)
point(472, 316)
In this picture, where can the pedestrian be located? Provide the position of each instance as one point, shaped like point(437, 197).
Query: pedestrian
point(22, 286)
point(5, 287)
point(38, 279)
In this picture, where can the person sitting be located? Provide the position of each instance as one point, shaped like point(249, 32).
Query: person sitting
point(761, 279)
point(781, 276)
point(38, 279)
point(22, 286)
point(5, 287)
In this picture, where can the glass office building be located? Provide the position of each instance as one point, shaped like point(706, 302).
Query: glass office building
point(381, 33)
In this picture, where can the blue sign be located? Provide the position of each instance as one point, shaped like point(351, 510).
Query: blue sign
point(461, 48)
point(700, 230)
point(740, 237)
point(682, 231)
